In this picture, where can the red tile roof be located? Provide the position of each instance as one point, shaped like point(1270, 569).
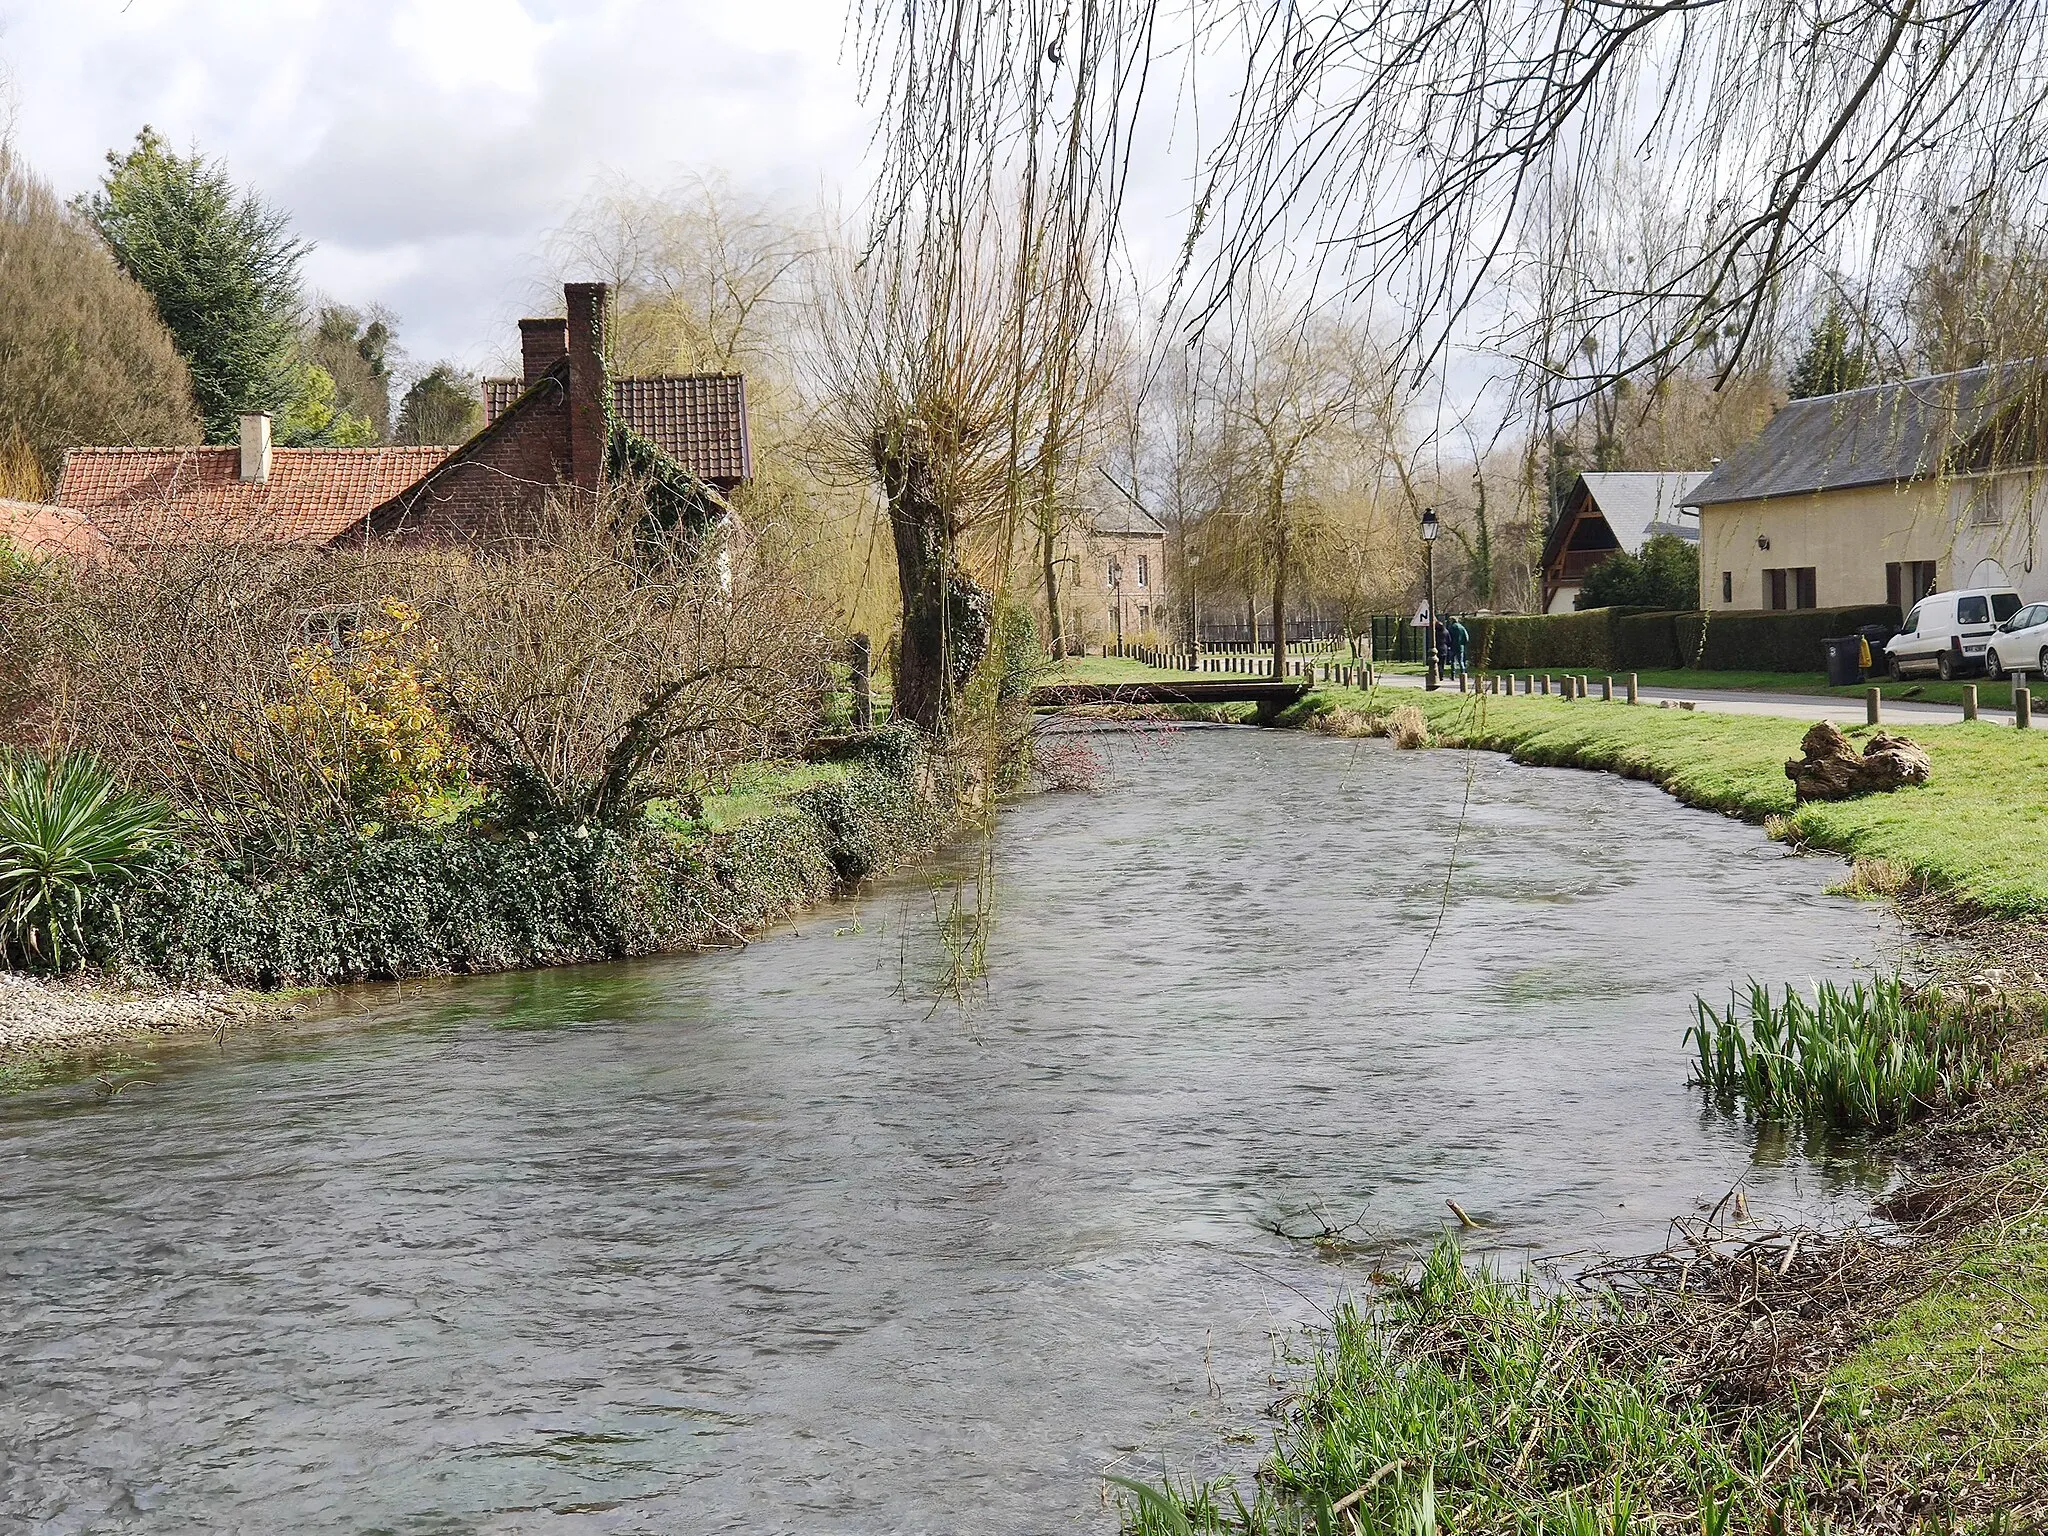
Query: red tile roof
point(38, 529)
point(147, 495)
point(699, 420)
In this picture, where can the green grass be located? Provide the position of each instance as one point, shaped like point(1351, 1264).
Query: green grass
point(752, 791)
point(1918, 690)
point(1951, 1389)
point(1864, 1057)
point(1492, 1401)
point(1108, 669)
point(1977, 829)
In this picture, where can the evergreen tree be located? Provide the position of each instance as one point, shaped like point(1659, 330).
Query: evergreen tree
point(83, 357)
point(441, 407)
point(223, 267)
point(354, 350)
point(1831, 362)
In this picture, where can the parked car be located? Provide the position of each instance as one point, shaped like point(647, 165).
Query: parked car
point(1948, 633)
point(2021, 643)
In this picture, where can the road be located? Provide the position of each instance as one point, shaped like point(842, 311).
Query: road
point(1791, 706)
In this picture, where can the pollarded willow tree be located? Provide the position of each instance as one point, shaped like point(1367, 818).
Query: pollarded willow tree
point(966, 349)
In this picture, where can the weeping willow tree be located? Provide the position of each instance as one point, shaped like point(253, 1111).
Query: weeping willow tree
point(967, 336)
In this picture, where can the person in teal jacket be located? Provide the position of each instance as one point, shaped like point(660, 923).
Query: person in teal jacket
point(1460, 647)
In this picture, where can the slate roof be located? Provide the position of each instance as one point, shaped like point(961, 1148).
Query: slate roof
point(38, 529)
point(1877, 436)
point(1637, 506)
point(1123, 520)
point(138, 496)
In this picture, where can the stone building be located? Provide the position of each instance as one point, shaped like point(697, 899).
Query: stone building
point(1121, 592)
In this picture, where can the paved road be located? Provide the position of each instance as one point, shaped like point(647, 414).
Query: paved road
point(1793, 706)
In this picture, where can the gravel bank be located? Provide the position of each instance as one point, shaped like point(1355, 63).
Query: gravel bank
point(44, 1018)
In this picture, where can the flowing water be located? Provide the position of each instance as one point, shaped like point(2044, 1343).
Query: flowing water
point(778, 1238)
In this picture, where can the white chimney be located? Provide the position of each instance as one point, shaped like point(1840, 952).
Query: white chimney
point(256, 446)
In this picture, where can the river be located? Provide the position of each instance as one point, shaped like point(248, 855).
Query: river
point(784, 1238)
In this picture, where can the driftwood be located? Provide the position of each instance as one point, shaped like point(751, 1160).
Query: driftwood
point(1830, 768)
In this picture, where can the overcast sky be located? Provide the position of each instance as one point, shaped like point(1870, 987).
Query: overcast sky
point(427, 146)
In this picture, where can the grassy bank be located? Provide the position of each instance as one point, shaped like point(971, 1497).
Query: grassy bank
point(1977, 831)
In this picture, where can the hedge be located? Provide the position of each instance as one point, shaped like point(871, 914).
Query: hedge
point(345, 908)
point(1633, 639)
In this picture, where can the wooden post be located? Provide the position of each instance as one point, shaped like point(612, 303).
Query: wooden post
point(1969, 701)
point(1606, 690)
point(1546, 684)
point(1634, 696)
point(862, 659)
point(2022, 702)
point(1873, 706)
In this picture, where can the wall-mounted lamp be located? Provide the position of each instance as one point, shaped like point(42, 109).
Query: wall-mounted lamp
point(1763, 541)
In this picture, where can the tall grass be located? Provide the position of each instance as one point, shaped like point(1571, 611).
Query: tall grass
point(1870, 1056)
point(1486, 1403)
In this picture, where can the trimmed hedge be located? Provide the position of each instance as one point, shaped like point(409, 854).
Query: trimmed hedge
point(467, 899)
point(1633, 639)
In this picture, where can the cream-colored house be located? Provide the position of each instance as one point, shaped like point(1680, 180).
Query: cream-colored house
point(1120, 595)
point(1883, 495)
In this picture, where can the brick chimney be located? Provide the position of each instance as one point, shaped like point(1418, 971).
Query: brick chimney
point(588, 306)
point(542, 344)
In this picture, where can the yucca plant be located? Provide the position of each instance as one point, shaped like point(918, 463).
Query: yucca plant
point(66, 824)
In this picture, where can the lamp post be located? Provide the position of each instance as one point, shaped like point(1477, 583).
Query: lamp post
point(1433, 681)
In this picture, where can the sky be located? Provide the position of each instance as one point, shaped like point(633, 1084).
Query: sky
point(426, 147)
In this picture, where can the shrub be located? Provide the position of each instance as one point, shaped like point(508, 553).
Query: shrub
point(1618, 639)
point(65, 827)
point(1406, 727)
point(1788, 641)
point(1664, 574)
point(366, 721)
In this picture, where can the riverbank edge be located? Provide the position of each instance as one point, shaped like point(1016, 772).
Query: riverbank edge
point(1923, 1354)
point(704, 892)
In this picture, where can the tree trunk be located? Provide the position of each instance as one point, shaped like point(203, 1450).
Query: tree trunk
point(1280, 602)
point(1055, 638)
point(946, 616)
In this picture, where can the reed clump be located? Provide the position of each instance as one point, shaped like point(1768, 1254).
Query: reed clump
point(1866, 1057)
point(1407, 727)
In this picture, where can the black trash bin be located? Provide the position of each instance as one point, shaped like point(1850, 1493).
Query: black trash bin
point(1845, 660)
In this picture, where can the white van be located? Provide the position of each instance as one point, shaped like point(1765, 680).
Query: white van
point(1947, 632)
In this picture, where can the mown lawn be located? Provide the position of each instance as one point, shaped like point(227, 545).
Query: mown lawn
point(752, 791)
point(1978, 828)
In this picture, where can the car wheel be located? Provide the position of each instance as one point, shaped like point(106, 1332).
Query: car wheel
point(1992, 668)
point(1946, 667)
point(2044, 661)
point(1897, 668)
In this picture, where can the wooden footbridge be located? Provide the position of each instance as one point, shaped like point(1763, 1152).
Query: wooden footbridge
point(1264, 692)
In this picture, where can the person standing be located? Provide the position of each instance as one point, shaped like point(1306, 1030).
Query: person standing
point(1460, 642)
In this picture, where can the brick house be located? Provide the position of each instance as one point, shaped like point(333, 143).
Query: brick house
point(1123, 561)
point(563, 423)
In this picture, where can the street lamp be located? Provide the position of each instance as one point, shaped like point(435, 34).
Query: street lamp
point(1429, 593)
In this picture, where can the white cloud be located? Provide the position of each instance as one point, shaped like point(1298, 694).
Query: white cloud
point(427, 145)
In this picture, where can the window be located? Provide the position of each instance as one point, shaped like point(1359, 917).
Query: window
point(2004, 605)
point(1791, 587)
point(1973, 610)
point(1986, 505)
point(1907, 581)
point(1144, 614)
point(1727, 586)
point(1912, 622)
point(1116, 573)
point(1142, 570)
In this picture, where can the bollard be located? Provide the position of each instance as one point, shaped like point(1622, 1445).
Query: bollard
point(1873, 706)
point(2022, 702)
point(1969, 701)
point(1546, 685)
point(1606, 690)
point(1461, 682)
point(1633, 696)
